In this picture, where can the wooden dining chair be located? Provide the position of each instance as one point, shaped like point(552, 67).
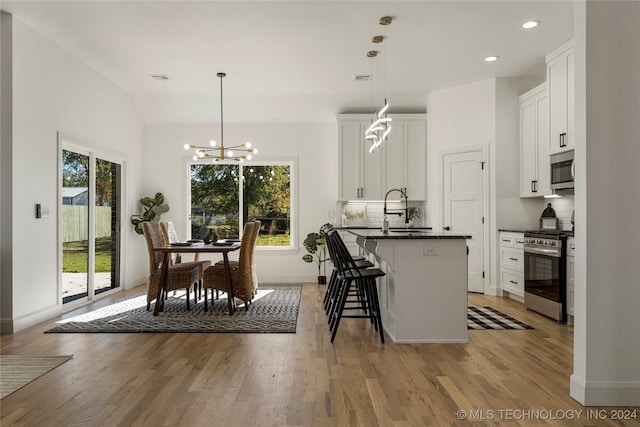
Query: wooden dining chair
point(215, 277)
point(170, 236)
point(179, 276)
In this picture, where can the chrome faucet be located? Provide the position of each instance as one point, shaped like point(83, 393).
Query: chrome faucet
point(398, 212)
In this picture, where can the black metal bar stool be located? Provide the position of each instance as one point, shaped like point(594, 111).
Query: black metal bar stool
point(349, 278)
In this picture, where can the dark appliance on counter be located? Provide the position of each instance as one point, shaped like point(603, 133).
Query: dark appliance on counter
point(545, 273)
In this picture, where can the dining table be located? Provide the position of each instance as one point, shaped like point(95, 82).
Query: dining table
point(198, 248)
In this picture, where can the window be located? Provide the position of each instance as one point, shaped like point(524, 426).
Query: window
point(224, 196)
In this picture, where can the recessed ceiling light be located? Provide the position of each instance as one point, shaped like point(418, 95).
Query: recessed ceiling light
point(491, 58)
point(160, 76)
point(530, 24)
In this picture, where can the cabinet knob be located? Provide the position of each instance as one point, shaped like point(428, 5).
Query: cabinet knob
point(447, 228)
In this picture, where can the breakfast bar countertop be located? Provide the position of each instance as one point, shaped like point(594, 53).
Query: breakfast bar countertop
point(405, 234)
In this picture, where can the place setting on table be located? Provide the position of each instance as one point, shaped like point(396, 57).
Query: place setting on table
point(223, 246)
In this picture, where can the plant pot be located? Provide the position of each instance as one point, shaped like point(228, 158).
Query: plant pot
point(322, 280)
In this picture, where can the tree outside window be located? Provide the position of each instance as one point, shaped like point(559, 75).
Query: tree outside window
point(220, 192)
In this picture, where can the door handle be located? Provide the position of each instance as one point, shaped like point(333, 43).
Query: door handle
point(562, 142)
point(447, 228)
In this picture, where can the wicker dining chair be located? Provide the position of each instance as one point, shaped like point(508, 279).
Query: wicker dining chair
point(215, 277)
point(254, 271)
point(170, 236)
point(179, 276)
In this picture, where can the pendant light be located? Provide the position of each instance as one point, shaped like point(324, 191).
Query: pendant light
point(220, 152)
point(381, 123)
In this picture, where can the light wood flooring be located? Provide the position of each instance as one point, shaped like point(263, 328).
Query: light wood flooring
point(498, 378)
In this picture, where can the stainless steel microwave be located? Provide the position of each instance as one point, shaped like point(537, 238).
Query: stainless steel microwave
point(562, 170)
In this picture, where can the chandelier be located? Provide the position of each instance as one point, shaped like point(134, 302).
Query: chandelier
point(217, 152)
point(381, 126)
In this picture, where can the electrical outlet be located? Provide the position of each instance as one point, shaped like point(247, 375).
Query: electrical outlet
point(427, 251)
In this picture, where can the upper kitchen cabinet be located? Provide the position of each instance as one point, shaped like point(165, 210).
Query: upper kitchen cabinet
point(561, 83)
point(359, 176)
point(534, 143)
point(400, 162)
point(404, 156)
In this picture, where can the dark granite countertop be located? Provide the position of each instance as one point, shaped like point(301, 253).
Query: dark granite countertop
point(569, 233)
point(405, 234)
point(378, 228)
point(513, 230)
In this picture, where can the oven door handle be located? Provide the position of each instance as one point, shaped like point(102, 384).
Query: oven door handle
point(542, 251)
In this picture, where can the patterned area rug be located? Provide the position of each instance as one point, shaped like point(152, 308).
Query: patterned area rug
point(490, 318)
point(273, 310)
point(16, 371)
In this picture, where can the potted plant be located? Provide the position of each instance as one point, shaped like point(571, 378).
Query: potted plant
point(316, 245)
point(413, 214)
point(153, 208)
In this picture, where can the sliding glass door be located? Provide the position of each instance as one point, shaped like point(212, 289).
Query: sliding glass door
point(90, 223)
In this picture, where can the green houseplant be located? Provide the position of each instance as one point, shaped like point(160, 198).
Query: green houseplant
point(154, 207)
point(316, 246)
point(413, 215)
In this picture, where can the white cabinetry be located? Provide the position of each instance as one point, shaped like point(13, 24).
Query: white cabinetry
point(561, 83)
point(571, 278)
point(404, 157)
point(359, 170)
point(512, 263)
point(399, 163)
point(350, 242)
point(534, 143)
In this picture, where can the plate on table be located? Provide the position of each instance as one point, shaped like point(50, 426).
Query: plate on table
point(232, 240)
point(181, 244)
point(221, 243)
point(195, 241)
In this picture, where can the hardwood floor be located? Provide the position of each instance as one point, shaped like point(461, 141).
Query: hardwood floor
point(302, 379)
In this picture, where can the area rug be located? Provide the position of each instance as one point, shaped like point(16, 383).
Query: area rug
point(273, 310)
point(490, 318)
point(16, 371)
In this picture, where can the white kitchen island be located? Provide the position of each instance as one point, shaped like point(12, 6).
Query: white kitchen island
point(423, 297)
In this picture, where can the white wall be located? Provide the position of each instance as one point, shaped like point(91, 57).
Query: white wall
point(315, 147)
point(607, 291)
point(457, 117)
point(52, 91)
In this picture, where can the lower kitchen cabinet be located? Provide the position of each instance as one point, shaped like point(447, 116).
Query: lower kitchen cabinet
point(571, 278)
point(349, 240)
point(512, 264)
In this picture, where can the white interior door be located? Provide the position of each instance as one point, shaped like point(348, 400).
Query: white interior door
point(464, 207)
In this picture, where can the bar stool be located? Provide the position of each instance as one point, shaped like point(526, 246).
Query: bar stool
point(330, 297)
point(349, 276)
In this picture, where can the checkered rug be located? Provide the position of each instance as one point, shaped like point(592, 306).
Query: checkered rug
point(273, 310)
point(490, 318)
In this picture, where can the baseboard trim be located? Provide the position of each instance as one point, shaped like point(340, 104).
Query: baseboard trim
point(604, 393)
point(32, 319)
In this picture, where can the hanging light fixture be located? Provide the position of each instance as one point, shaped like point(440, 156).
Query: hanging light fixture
point(220, 152)
point(381, 123)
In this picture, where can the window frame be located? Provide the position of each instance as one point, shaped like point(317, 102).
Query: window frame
point(291, 161)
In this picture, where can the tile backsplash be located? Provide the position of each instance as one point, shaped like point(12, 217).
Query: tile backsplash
point(349, 214)
point(564, 208)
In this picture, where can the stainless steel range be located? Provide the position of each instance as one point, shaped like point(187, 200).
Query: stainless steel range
point(545, 273)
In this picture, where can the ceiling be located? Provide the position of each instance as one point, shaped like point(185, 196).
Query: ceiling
point(295, 61)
